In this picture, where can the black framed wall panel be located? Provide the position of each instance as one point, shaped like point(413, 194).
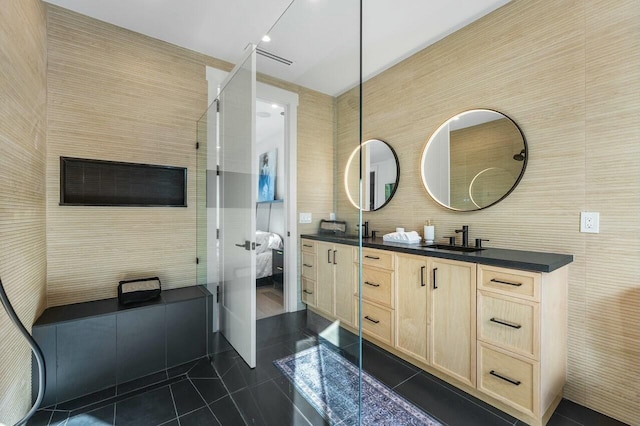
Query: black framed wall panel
point(87, 182)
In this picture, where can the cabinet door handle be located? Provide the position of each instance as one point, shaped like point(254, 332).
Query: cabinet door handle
point(306, 265)
point(372, 284)
point(307, 245)
point(372, 257)
point(507, 323)
point(329, 256)
point(422, 283)
point(278, 251)
point(435, 285)
point(334, 257)
point(372, 320)
point(279, 268)
point(493, 280)
point(307, 291)
point(506, 379)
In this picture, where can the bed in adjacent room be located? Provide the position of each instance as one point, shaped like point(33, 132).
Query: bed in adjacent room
point(269, 231)
point(266, 242)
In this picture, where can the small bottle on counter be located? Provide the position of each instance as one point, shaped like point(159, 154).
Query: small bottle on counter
point(429, 232)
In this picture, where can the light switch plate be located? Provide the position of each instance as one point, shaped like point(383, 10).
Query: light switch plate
point(590, 222)
point(305, 217)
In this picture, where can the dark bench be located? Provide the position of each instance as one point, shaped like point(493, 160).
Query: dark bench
point(95, 345)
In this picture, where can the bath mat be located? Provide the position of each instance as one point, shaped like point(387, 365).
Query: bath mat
point(329, 383)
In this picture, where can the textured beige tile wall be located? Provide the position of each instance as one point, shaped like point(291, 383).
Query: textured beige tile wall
point(567, 73)
point(23, 102)
point(117, 95)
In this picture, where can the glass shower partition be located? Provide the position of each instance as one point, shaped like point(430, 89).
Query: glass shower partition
point(313, 50)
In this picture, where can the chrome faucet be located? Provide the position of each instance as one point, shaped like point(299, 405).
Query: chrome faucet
point(465, 235)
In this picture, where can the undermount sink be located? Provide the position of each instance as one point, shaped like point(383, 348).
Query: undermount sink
point(452, 248)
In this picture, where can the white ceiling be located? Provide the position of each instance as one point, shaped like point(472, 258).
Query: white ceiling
point(269, 121)
point(319, 36)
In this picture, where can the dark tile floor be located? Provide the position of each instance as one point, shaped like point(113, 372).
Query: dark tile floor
point(227, 392)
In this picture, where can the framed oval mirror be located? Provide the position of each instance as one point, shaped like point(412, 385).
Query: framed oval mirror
point(380, 175)
point(474, 160)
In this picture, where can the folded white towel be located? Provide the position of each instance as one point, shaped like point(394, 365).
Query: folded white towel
point(411, 237)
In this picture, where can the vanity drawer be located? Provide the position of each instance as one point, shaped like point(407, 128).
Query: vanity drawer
point(509, 281)
point(308, 265)
point(377, 322)
point(511, 379)
point(509, 323)
point(308, 291)
point(309, 246)
point(377, 286)
point(378, 258)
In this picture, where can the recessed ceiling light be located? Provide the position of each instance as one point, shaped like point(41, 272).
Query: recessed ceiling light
point(266, 38)
point(274, 105)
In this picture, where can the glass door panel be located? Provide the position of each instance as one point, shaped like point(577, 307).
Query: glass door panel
point(237, 209)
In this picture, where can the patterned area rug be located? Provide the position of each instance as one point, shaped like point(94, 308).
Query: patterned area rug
point(329, 383)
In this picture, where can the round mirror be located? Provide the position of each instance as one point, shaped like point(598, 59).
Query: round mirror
point(380, 175)
point(473, 160)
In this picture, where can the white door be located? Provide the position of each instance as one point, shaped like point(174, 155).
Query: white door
point(238, 182)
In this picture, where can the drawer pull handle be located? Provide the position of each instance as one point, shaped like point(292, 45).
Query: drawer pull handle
point(307, 291)
point(279, 268)
point(507, 323)
point(493, 280)
point(506, 379)
point(307, 245)
point(435, 285)
point(372, 284)
point(306, 265)
point(422, 283)
point(278, 251)
point(372, 320)
point(372, 257)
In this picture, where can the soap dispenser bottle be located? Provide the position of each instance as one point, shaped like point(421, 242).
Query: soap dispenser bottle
point(429, 232)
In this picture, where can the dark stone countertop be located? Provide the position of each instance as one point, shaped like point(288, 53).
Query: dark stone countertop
point(514, 259)
point(95, 308)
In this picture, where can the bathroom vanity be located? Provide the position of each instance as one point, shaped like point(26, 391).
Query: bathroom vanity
point(492, 322)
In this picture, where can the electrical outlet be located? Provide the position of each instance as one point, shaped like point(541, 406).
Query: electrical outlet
point(305, 217)
point(590, 222)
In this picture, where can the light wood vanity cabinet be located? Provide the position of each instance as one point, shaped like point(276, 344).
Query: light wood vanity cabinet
point(378, 296)
point(332, 265)
point(522, 338)
point(452, 306)
point(411, 306)
point(435, 314)
point(308, 272)
point(497, 333)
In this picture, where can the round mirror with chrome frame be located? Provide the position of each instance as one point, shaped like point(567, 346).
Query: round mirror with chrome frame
point(474, 160)
point(380, 175)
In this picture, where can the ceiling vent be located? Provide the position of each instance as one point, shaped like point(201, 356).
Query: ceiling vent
point(273, 57)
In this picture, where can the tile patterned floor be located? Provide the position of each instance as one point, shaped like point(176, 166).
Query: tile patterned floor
point(227, 392)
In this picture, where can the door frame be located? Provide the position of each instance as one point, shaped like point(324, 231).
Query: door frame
point(289, 100)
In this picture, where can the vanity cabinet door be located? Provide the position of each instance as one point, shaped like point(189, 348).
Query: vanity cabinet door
point(344, 284)
point(452, 313)
point(411, 306)
point(325, 277)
